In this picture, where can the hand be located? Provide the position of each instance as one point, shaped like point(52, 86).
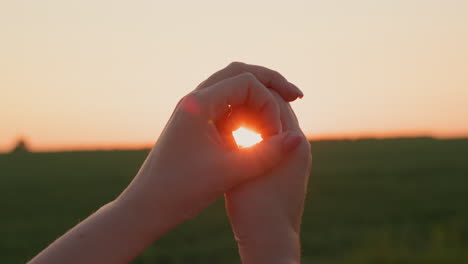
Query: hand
point(265, 213)
point(190, 165)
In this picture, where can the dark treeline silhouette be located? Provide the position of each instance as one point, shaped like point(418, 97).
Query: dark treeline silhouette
point(20, 147)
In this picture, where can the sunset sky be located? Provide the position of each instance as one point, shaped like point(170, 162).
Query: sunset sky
point(85, 74)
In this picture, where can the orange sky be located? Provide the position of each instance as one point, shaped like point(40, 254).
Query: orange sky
point(80, 74)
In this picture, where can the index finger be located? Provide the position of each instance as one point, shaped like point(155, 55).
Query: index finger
point(288, 118)
point(270, 78)
point(243, 90)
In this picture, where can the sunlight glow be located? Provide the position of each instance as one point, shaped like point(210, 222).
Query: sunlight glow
point(246, 138)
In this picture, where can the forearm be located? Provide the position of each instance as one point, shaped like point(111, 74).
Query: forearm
point(111, 235)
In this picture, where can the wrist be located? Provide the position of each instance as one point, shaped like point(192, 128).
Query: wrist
point(275, 247)
point(150, 206)
point(146, 218)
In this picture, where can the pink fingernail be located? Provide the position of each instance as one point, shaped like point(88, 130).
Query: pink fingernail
point(291, 141)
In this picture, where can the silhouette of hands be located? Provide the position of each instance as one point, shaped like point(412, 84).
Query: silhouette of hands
point(191, 165)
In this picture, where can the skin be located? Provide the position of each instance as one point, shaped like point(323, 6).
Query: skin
point(266, 212)
point(185, 172)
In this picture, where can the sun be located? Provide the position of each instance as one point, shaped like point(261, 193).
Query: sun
point(246, 138)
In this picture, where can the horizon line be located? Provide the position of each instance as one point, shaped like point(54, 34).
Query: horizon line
point(143, 146)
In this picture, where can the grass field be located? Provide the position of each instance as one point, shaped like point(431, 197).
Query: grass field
point(369, 201)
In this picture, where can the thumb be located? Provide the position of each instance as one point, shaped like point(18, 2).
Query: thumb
point(259, 159)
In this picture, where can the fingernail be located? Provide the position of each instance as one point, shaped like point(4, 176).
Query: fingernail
point(291, 141)
point(299, 92)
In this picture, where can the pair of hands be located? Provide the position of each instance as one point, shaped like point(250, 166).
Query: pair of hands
point(195, 161)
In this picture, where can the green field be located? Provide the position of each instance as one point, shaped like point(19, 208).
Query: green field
point(369, 201)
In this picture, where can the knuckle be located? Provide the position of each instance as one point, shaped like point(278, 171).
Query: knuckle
point(236, 65)
point(190, 103)
point(276, 74)
point(248, 76)
point(276, 77)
